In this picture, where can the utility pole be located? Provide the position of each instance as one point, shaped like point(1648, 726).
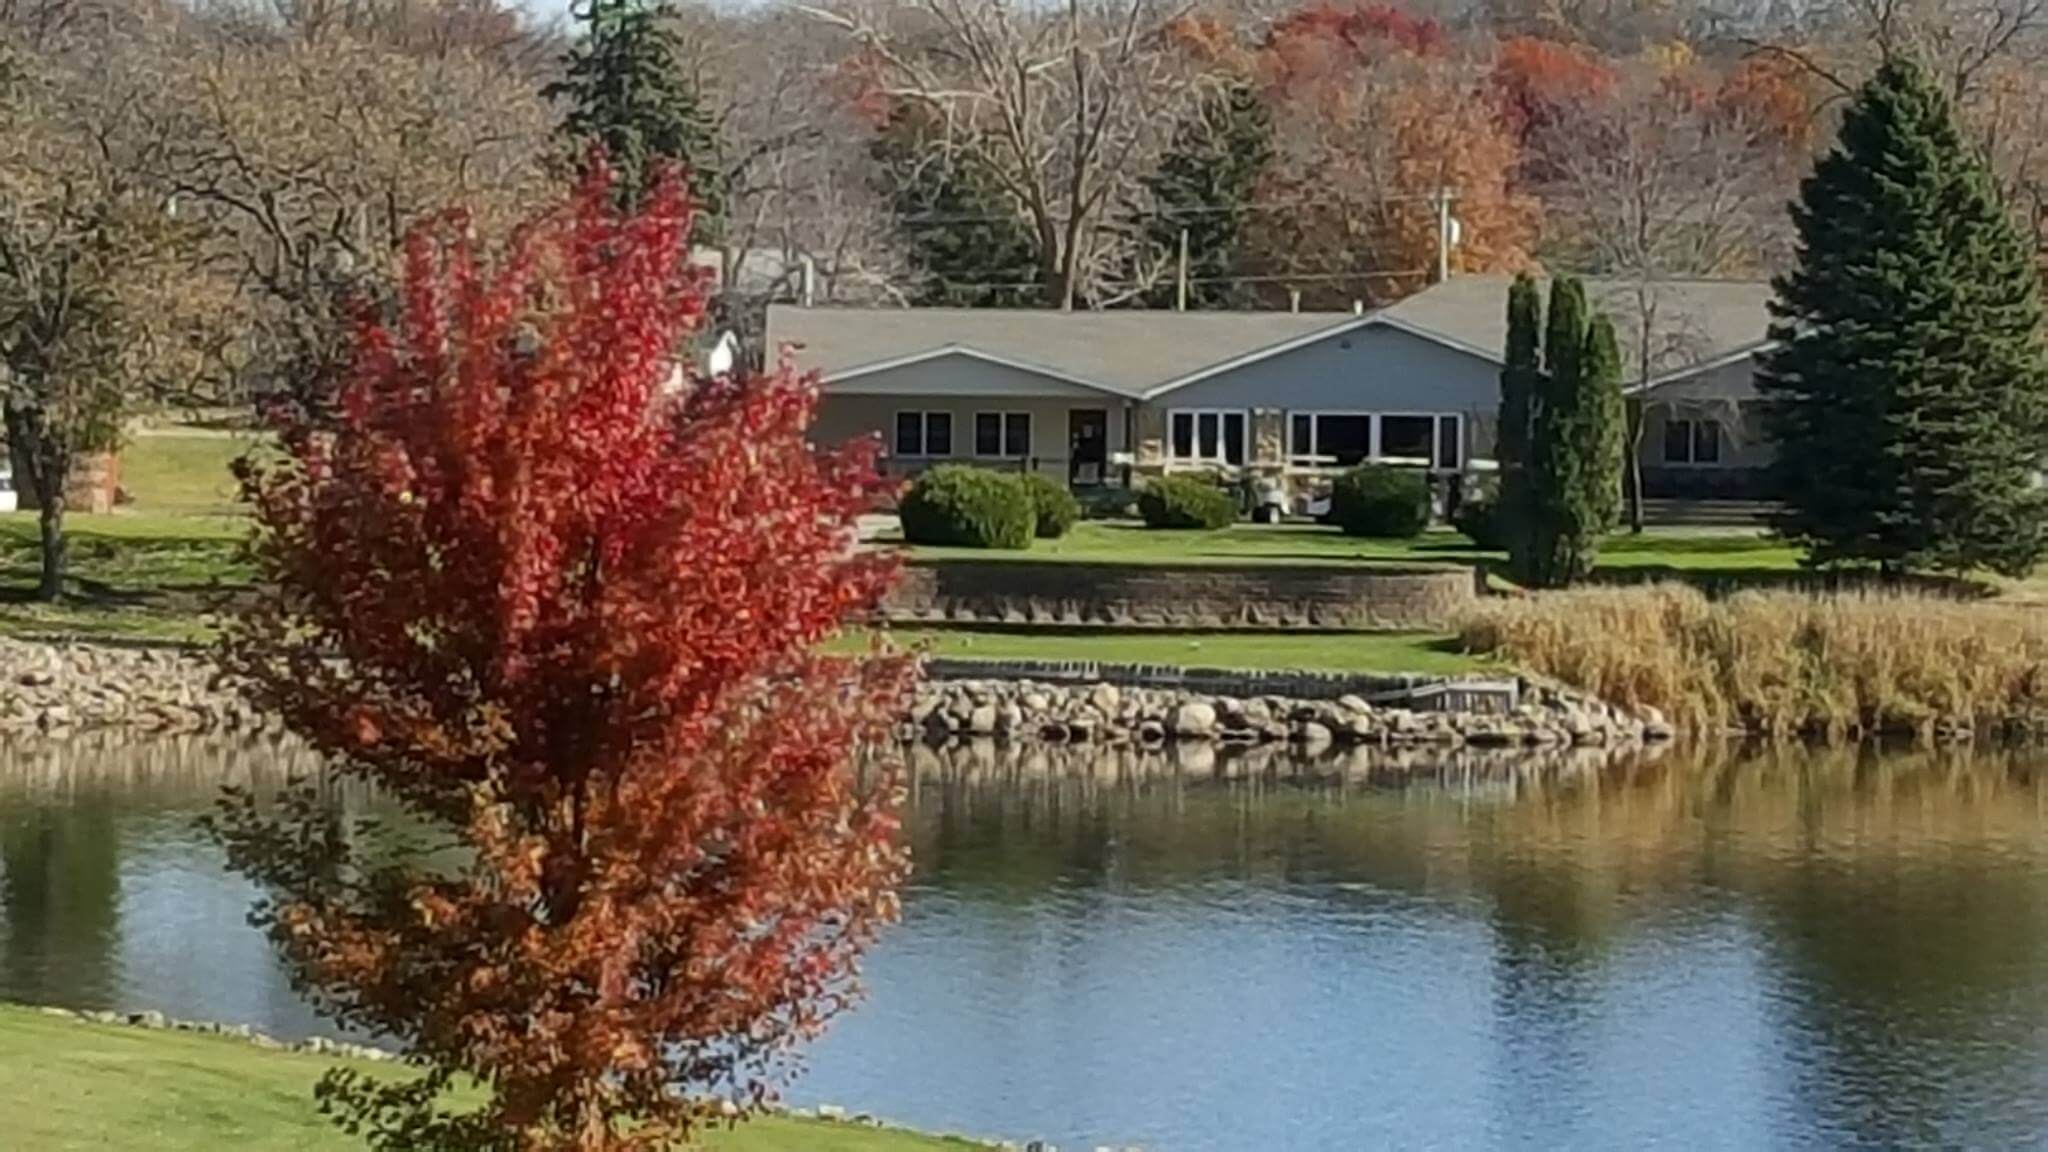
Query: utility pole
point(1180, 299)
point(1443, 234)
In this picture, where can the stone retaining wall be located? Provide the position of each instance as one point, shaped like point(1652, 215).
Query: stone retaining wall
point(1185, 596)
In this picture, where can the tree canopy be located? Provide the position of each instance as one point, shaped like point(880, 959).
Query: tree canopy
point(1909, 396)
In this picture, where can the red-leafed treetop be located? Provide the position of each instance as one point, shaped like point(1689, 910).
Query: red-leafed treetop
point(561, 599)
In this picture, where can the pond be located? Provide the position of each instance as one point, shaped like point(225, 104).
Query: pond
point(1794, 950)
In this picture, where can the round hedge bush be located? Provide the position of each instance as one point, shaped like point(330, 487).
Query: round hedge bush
point(962, 507)
point(1381, 502)
point(1056, 507)
point(1185, 502)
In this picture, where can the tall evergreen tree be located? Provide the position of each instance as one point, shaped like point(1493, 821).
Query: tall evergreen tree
point(1209, 174)
point(1603, 432)
point(1520, 379)
point(1574, 454)
point(963, 233)
point(625, 89)
point(1908, 396)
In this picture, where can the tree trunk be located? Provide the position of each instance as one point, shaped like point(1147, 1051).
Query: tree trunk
point(1635, 467)
point(43, 466)
point(50, 520)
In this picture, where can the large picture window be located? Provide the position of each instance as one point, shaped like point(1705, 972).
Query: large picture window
point(924, 434)
point(1002, 434)
point(1692, 442)
point(1409, 439)
point(1346, 439)
point(1208, 437)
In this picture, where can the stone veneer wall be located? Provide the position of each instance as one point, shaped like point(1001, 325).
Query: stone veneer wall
point(1207, 596)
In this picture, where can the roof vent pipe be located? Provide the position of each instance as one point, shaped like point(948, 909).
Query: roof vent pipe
point(810, 281)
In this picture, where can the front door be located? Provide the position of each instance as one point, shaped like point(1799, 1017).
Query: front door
point(1087, 445)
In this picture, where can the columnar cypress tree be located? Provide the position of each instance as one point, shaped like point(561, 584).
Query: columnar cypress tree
point(626, 90)
point(1909, 393)
point(1554, 465)
point(1520, 380)
point(1604, 431)
point(1574, 457)
point(1211, 168)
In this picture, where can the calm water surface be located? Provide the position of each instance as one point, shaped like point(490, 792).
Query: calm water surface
point(1802, 951)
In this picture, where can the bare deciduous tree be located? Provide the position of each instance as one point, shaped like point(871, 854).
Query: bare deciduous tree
point(1658, 182)
point(1065, 107)
point(313, 157)
point(103, 303)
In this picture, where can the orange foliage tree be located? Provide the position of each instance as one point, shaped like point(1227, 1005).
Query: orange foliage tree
point(1374, 115)
point(560, 599)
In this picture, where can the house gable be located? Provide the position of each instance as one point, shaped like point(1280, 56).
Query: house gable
point(956, 371)
point(1372, 365)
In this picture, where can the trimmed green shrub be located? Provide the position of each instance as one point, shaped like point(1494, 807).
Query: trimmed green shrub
point(1056, 507)
point(1185, 502)
point(963, 507)
point(1378, 501)
point(1483, 521)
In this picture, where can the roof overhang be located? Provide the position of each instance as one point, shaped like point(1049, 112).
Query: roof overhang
point(1681, 375)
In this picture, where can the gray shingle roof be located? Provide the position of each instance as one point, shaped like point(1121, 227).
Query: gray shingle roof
point(1132, 352)
point(1128, 352)
point(1698, 321)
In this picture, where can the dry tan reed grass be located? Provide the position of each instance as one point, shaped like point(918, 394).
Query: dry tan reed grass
point(1783, 663)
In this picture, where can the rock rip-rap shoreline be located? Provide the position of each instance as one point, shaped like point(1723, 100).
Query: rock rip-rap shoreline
point(1548, 716)
point(60, 688)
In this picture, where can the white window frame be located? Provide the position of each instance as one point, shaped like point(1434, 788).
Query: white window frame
point(1003, 433)
point(1692, 443)
point(1375, 452)
point(924, 433)
point(1222, 457)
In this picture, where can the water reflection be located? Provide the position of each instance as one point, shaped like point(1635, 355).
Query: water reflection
point(1229, 951)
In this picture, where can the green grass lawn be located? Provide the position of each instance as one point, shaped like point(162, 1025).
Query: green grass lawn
point(1352, 652)
point(149, 568)
point(69, 1087)
point(153, 567)
point(130, 574)
point(181, 471)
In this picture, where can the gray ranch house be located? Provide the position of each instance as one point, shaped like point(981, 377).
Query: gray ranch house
point(1092, 397)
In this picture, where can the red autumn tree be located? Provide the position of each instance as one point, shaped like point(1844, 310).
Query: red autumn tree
point(561, 601)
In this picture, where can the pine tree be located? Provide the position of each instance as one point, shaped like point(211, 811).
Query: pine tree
point(1908, 396)
point(1520, 380)
point(626, 91)
point(963, 233)
point(1573, 461)
point(1210, 170)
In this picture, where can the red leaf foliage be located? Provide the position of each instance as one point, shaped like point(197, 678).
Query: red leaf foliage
point(1537, 80)
point(562, 601)
point(1325, 38)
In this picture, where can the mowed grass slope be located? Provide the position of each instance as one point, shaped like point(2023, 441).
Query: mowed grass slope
point(71, 1087)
